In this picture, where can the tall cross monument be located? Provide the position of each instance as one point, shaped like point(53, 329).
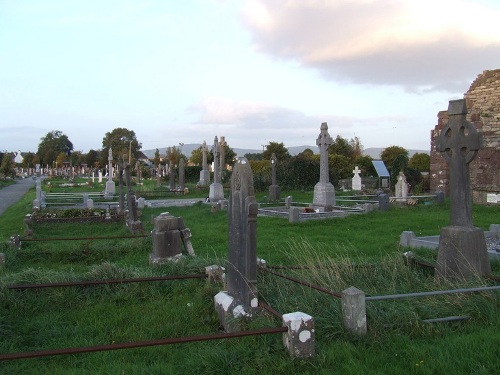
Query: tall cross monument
point(462, 247)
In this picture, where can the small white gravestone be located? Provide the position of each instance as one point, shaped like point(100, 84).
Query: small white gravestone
point(401, 186)
point(356, 179)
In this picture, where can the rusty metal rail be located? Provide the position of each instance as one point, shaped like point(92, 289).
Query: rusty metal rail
point(82, 238)
point(140, 344)
point(102, 282)
point(269, 309)
point(305, 283)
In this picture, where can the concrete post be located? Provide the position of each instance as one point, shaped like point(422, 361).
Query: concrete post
point(300, 338)
point(354, 310)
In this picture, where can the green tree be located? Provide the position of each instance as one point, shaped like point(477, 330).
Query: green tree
point(174, 155)
point(364, 163)
point(122, 142)
point(76, 158)
point(391, 153)
point(156, 159)
point(229, 155)
point(7, 166)
point(357, 147)
point(400, 164)
point(420, 161)
point(341, 146)
point(197, 156)
point(307, 153)
point(277, 149)
point(254, 156)
point(54, 143)
point(340, 167)
point(91, 158)
point(28, 160)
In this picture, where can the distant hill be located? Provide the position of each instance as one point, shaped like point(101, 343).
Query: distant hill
point(375, 152)
point(294, 150)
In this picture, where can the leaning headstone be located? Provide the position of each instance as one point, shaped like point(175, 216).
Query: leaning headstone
point(274, 189)
point(216, 192)
point(90, 203)
point(240, 300)
point(324, 192)
point(204, 173)
point(462, 251)
point(356, 179)
point(401, 188)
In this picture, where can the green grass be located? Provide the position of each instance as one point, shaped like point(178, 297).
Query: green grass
point(360, 250)
point(6, 182)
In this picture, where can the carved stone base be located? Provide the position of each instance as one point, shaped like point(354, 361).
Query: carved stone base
point(232, 314)
point(204, 178)
point(462, 253)
point(324, 194)
point(216, 192)
point(274, 193)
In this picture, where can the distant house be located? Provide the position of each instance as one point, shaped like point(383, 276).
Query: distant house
point(18, 157)
point(143, 158)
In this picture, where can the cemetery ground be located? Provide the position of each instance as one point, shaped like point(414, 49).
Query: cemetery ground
point(336, 253)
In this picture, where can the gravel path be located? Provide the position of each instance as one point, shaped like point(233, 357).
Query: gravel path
point(12, 193)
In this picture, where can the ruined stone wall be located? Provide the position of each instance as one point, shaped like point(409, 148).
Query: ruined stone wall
point(483, 104)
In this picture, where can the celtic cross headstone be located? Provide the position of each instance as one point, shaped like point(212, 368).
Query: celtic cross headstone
point(324, 192)
point(462, 247)
point(204, 173)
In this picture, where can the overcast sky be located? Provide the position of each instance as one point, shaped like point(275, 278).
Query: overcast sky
point(254, 71)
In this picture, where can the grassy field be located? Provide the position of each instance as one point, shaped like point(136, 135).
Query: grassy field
point(360, 250)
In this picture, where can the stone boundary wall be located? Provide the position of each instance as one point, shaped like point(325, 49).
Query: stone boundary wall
point(483, 104)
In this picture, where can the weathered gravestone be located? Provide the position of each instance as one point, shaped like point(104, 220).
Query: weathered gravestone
point(462, 251)
point(240, 300)
point(222, 163)
point(168, 234)
point(133, 222)
point(324, 192)
point(110, 184)
point(171, 176)
point(216, 192)
point(401, 188)
point(182, 183)
point(204, 173)
point(274, 189)
point(356, 179)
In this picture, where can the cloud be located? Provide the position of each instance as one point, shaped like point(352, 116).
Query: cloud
point(420, 45)
point(247, 123)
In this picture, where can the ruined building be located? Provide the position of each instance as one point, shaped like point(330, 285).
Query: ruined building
point(483, 104)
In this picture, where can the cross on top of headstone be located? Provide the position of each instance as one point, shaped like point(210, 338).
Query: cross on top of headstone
point(459, 143)
point(356, 171)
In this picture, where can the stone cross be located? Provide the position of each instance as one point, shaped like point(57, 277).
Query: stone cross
point(110, 164)
point(274, 161)
point(323, 142)
point(204, 155)
point(356, 179)
point(459, 143)
point(216, 152)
